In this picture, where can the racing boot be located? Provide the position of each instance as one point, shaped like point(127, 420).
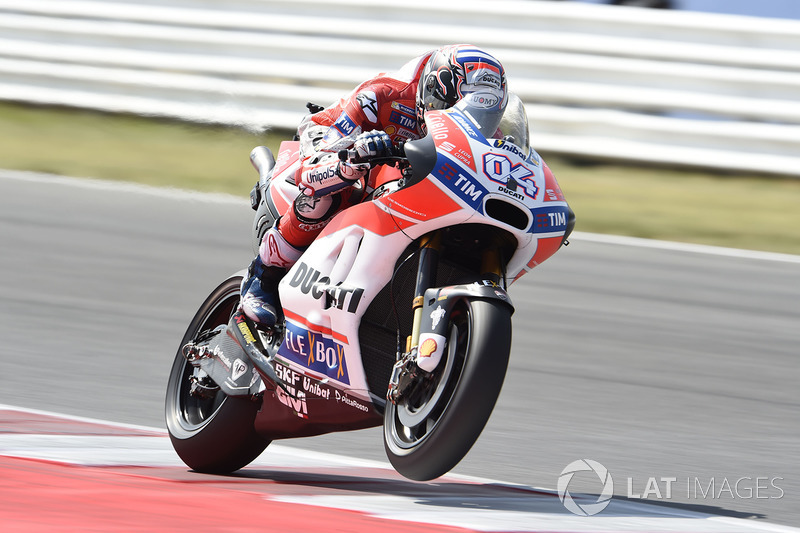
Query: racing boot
point(260, 293)
point(260, 289)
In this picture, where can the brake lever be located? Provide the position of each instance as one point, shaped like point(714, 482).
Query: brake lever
point(351, 156)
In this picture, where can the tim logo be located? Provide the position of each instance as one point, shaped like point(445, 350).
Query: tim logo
point(403, 120)
point(499, 168)
point(343, 127)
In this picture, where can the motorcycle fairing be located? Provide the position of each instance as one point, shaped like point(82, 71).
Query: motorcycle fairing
point(314, 348)
point(501, 168)
point(504, 187)
point(284, 189)
point(311, 407)
point(352, 261)
point(307, 399)
point(361, 261)
point(437, 307)
point(325, 294)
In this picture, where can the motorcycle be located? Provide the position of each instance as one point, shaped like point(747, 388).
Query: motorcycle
point(397, 314)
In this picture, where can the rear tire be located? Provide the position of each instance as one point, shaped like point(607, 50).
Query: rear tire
point(429, 432)
point(214, 435)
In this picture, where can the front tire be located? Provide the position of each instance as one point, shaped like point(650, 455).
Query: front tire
point(213, 434)
point(431, 429)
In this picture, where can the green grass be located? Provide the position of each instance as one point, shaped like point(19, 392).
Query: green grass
point(128, 148)
point(754, 212)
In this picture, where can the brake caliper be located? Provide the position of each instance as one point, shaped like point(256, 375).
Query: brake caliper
point(405, 376)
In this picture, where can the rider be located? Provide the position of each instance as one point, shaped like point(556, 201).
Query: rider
point(378, 114)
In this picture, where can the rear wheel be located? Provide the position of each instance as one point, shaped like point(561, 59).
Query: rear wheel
point(210, 431)
point(434, 426)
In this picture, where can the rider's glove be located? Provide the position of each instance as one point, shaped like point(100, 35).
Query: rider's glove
point(351, 173)
point(373, 144)
point(331, 177)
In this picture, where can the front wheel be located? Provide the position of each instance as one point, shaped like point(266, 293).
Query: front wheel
point(210, 431)
point(434, 426)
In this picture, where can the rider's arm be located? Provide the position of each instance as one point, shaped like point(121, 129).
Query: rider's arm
point(323, 174)
point(340, 127)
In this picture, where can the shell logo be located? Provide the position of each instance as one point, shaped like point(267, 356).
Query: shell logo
point(427, 348)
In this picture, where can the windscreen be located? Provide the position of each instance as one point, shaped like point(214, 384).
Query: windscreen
point(514, 124)
point(484, 109)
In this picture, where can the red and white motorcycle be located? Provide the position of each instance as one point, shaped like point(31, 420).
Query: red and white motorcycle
point(397, 314)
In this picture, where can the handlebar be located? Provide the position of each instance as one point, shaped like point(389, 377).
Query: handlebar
point(351, 156)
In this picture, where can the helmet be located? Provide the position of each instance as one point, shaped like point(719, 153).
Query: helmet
point(455, 71)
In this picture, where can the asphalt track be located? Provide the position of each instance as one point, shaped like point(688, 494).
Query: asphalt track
point(658, 363)
point(63, 473)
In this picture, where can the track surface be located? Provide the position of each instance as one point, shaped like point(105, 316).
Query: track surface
point(656, 363)
point(97, 476)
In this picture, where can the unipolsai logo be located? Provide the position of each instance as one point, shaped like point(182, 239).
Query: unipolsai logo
point(585, 508)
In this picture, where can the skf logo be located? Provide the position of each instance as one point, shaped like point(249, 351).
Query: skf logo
point(292, 397)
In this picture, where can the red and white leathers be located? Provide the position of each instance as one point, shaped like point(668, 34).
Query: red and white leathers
point(379, 113)
point(386, 103)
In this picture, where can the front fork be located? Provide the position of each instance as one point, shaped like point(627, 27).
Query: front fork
point(406, 371)
point(426, 277)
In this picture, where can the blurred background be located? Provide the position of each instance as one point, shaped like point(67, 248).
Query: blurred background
point(655, 101)
point(769, 8)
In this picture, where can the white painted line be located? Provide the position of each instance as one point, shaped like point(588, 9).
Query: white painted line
point(134, 450)
point(532, 513)
point(118, 425)
point(91, 450)
point(126, 187)
point(186, 195)
point(684, 247)
point(491, 506)
point(142, 448)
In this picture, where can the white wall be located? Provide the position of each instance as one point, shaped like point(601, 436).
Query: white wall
point(656, 86)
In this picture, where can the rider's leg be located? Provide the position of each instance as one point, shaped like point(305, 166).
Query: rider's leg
point(260, 289)
point(280, 248)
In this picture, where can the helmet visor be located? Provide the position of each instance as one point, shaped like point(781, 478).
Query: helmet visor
point(485, 108)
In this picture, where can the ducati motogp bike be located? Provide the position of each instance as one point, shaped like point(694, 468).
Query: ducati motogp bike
point(396, 315)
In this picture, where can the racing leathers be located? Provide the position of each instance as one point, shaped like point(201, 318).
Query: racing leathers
point(375, 115)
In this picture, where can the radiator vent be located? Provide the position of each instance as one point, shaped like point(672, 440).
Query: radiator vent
point(507, 213)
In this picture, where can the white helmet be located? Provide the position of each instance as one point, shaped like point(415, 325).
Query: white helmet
point(454, 71)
